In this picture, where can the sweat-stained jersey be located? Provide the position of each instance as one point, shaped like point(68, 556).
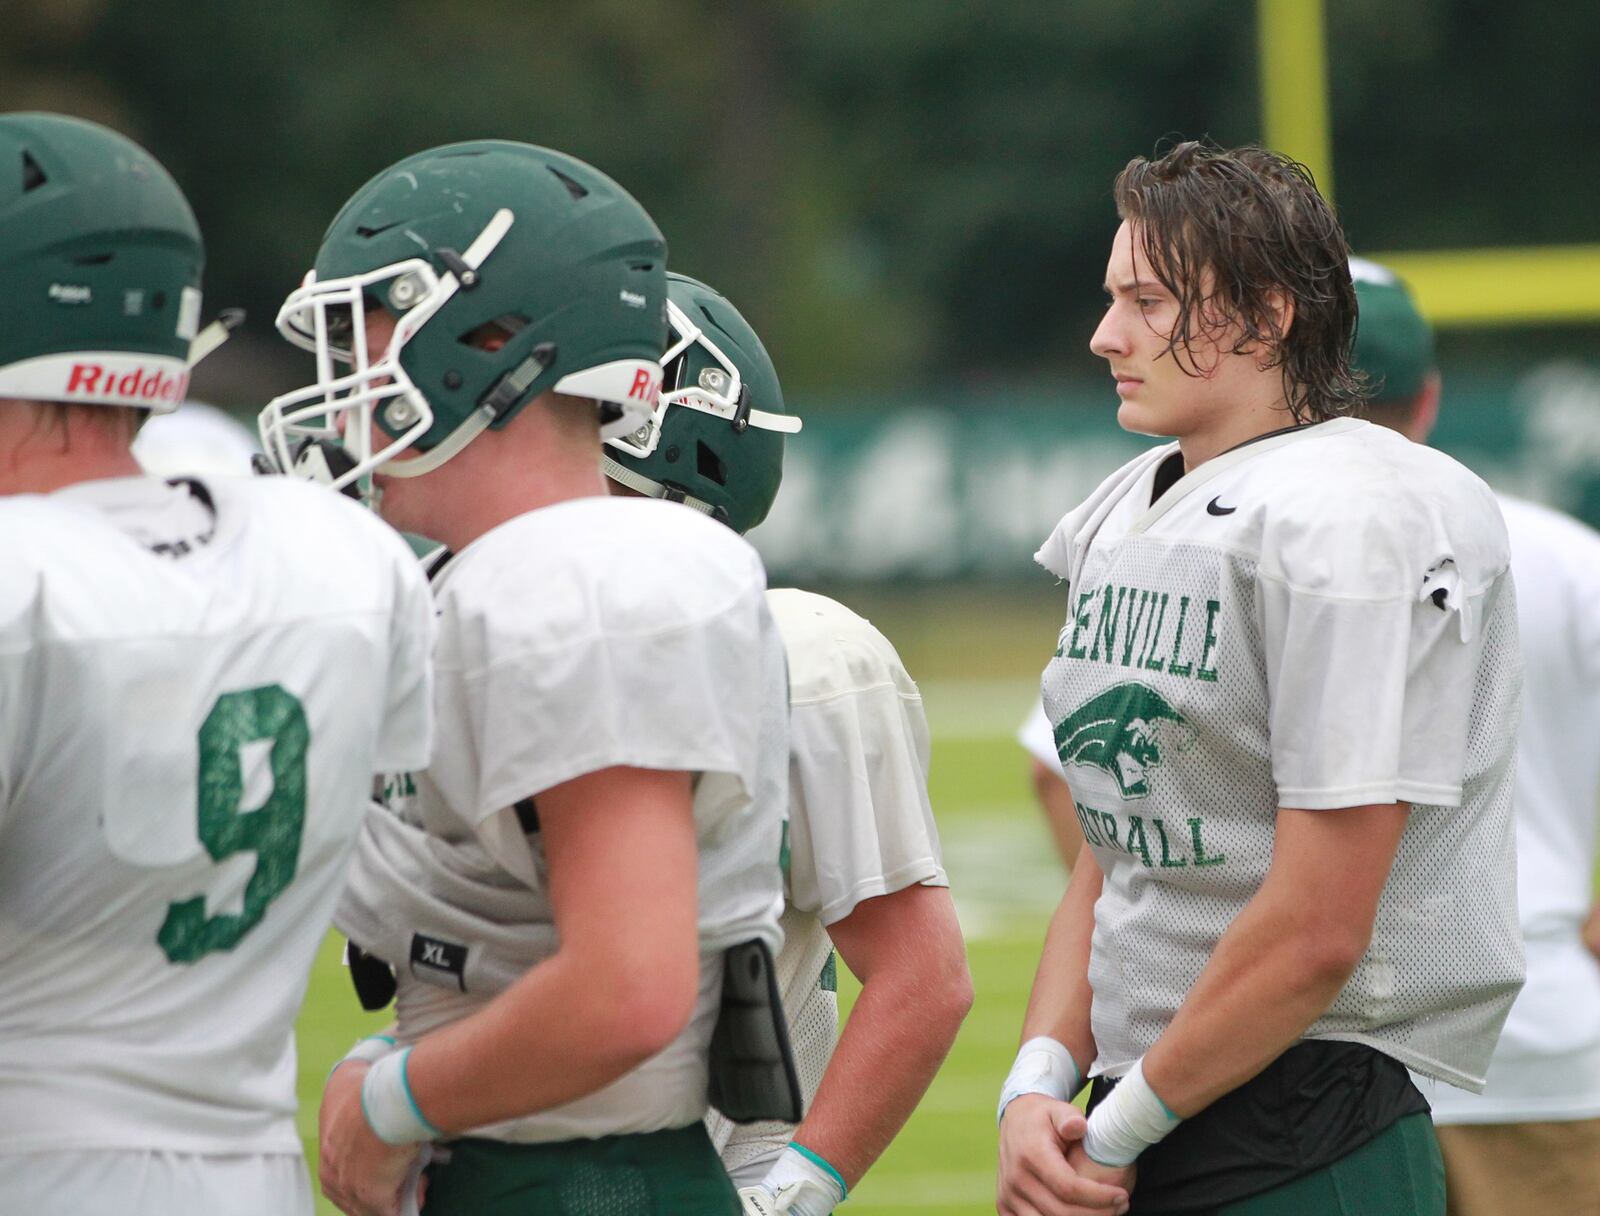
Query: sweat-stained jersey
point(1318, 619)
point(595, 633)
point(198, 682)
point(860, 823)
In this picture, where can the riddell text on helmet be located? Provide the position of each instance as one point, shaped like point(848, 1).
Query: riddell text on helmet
point(139, 384)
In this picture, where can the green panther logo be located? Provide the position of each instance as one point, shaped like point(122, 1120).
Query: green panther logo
point(1117, 731)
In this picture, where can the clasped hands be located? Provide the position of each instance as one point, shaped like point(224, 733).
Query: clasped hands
point(1044, 1170)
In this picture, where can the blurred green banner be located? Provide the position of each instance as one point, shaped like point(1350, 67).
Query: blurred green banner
point(968, 487)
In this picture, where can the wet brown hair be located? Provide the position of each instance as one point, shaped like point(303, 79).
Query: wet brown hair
point(1233, 232)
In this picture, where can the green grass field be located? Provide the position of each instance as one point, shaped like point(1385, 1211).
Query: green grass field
point(1002, 869)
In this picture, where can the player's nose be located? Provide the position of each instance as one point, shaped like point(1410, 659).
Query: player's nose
point(1110, 336)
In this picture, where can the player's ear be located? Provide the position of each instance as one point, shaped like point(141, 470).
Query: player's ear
point(1280, 310)
point(1426, 411)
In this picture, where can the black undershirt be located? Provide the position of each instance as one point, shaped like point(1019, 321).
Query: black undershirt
point(1316, 1103)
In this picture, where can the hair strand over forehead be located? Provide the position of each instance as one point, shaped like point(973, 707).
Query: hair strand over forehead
point(1236, 233)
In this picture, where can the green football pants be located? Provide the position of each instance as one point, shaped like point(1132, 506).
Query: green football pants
point(649, 1174)
point(1400, 1173)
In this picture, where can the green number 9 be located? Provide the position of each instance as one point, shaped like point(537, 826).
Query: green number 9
point(272, 832)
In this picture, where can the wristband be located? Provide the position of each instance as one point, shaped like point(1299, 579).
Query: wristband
point(1043, 1066)
point(802, 1183)
point(1130, 1120)
point(371, 1049)
point(392, 1113)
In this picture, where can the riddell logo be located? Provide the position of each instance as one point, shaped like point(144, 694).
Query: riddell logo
point(139, 384)
point(645, 386)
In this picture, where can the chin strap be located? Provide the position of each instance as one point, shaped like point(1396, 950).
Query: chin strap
point(640, 484)
point(205, 342)
point(451, 445)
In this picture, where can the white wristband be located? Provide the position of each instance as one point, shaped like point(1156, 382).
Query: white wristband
point(371, 1049)
point(386, 1101)
point(802, 1183)
point(1129, 1121)
point(1043, 1066)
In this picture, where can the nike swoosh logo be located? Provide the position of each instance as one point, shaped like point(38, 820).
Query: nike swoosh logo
point(1213, 509)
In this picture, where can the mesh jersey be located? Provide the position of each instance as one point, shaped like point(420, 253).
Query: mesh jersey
point(582, 636)
point(1335, 627)
point(860, 821)
point(193, 701)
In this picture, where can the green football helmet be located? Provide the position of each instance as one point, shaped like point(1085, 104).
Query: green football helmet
point(715, 438)
point(509, 270)
point(101, 258)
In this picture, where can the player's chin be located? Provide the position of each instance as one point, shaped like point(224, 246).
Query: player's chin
point(1144, 417)
point(396, 503)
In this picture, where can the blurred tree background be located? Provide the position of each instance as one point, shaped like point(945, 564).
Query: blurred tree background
point(902, 194)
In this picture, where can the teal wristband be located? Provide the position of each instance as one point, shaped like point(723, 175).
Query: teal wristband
point(822, 1163)
point(371, 1049)
point(390, 1108)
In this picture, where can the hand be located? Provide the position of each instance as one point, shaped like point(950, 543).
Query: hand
point(1591, 931)
point(360, 1174)
point(791, 1200)
point(757, 1201)
point(1087, 1167)
point(1037, 1178)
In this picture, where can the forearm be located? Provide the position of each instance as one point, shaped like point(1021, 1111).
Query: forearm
point(1060, 1002)
point(898, 1033)
point(1273, 973)
point(553, 1037)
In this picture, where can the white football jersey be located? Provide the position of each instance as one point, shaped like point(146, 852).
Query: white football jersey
point(591, 634)
point(1547, 1064)
point(195, 440)
point(860, 823)
point(1319, 619)
point(197, 686)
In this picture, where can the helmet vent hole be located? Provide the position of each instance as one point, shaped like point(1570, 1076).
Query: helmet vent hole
point(710, 465)
point(32, 175)
point(576, 189)
point(493, 335)
point(93, 259)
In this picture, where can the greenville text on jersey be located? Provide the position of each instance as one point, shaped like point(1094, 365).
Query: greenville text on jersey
point(1132, 630)
point(1125, 730)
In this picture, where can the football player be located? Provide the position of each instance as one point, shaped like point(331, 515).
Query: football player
point(1531, 1140)
point(199, 679)
point(594, 849)
point(1285, 698)
point(865, 874)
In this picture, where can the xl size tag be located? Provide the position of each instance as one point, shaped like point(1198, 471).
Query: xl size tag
point(438, 962)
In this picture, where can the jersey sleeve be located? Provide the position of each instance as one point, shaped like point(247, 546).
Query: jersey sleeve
point(1063, 551)
point(1374, 630)
point(545, 683)
point(407, 732)
point(861, 823)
